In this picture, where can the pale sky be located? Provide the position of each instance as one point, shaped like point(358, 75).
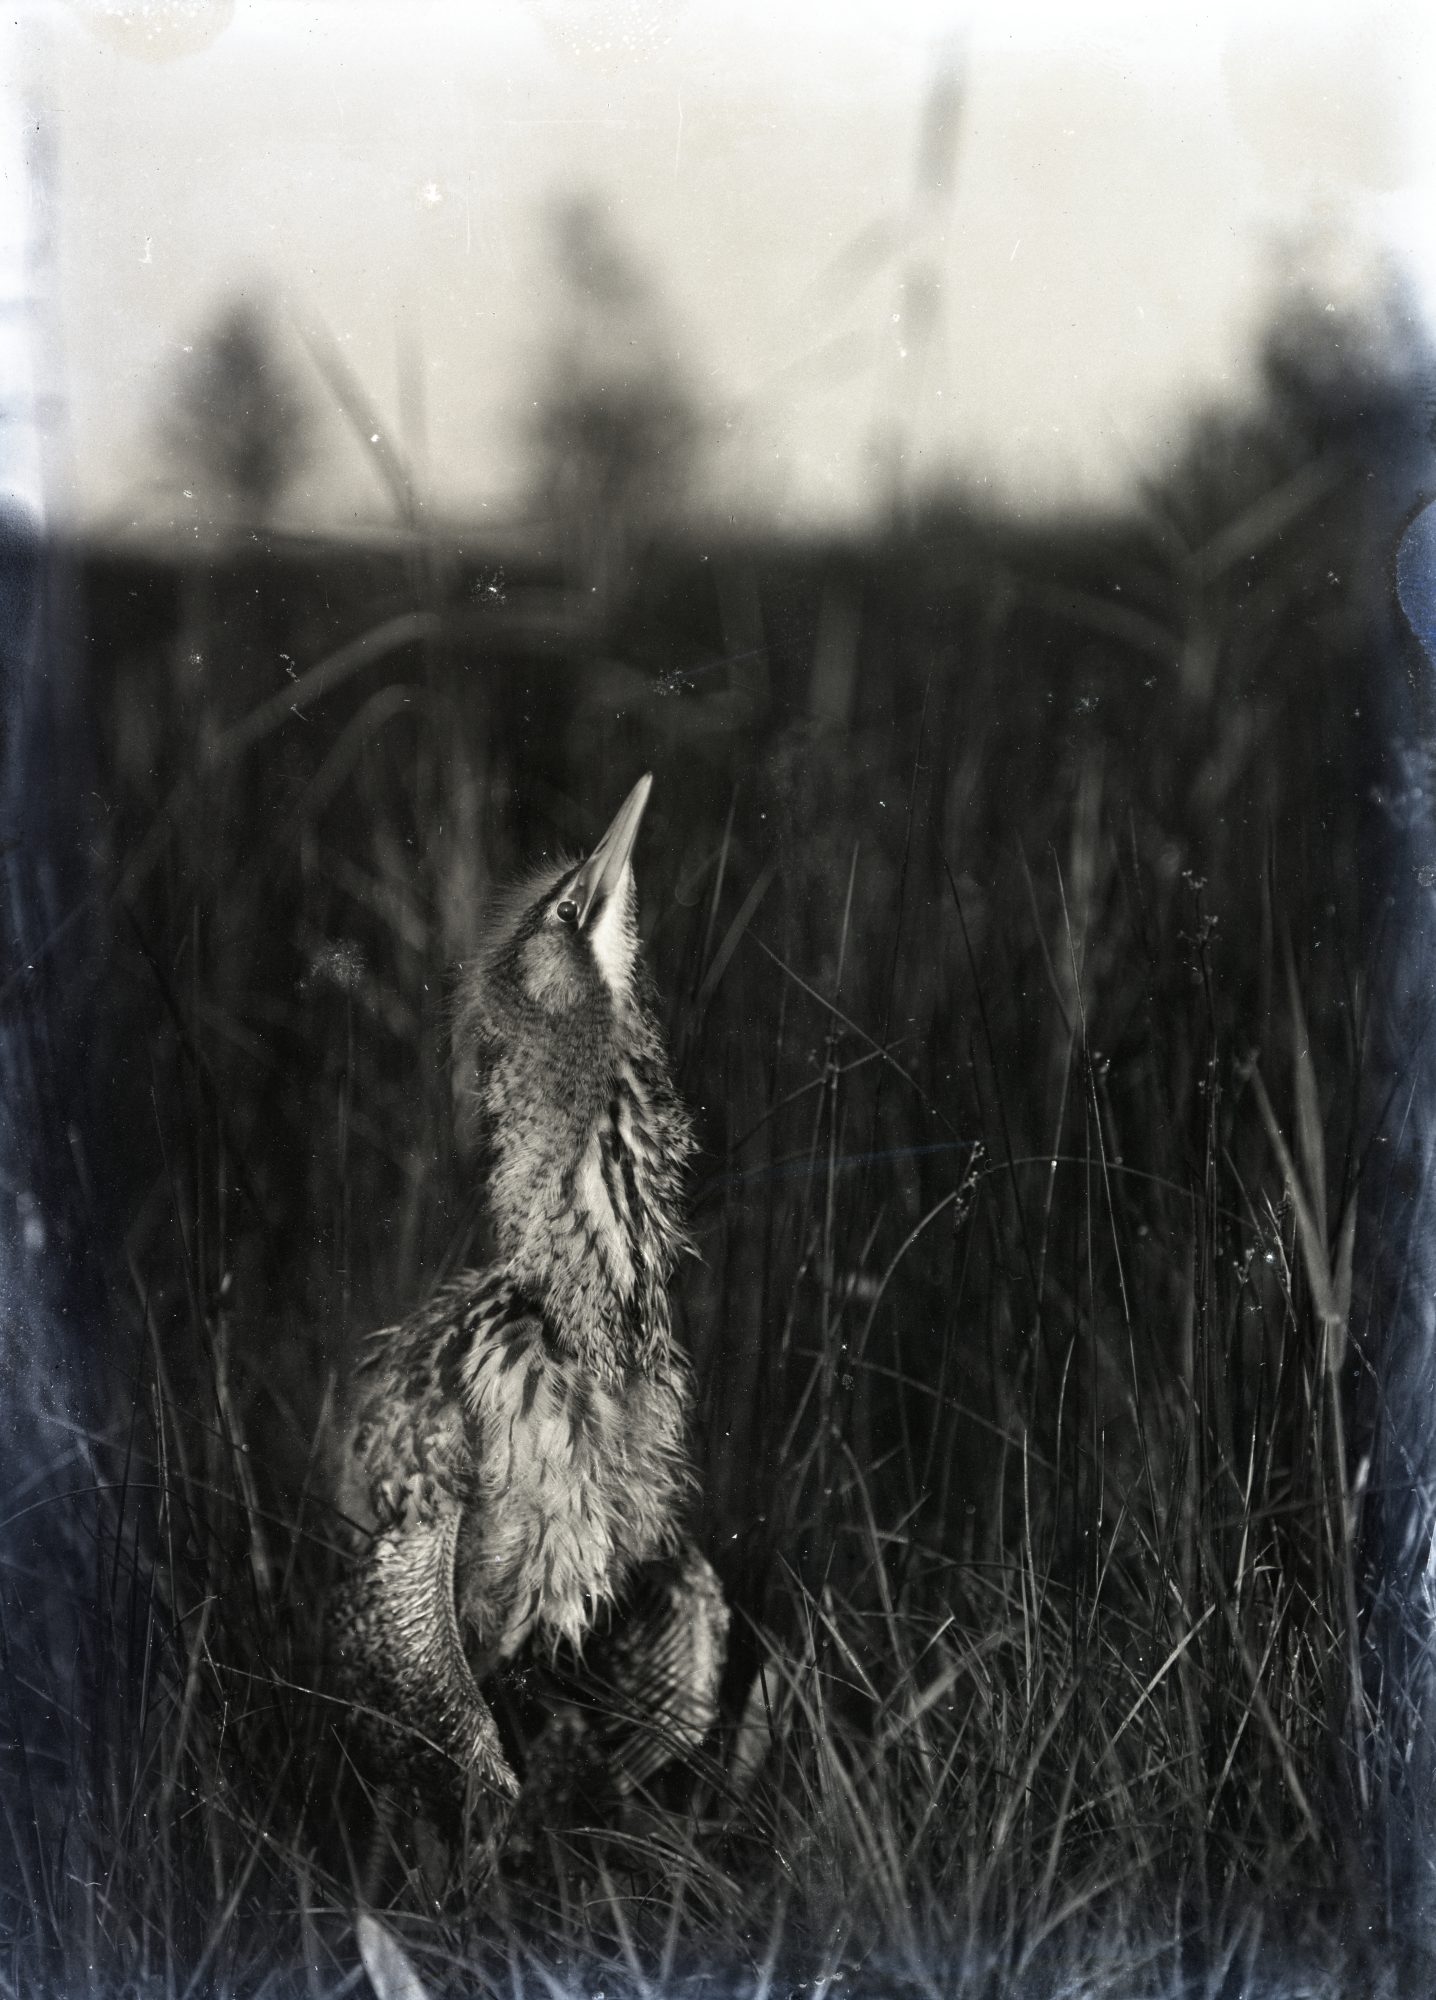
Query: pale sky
point(1132, 183)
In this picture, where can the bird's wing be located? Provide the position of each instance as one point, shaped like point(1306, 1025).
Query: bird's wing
point(399, 1656)
point(400, 1660)
point(656, 1672)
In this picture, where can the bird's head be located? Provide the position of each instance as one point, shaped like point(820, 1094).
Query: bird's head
point(574, 939)
point(557, 981)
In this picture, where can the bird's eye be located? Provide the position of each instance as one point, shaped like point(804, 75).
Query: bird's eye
point(567, 911)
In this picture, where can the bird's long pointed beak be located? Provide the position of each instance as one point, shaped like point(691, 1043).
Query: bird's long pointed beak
point(603, 870)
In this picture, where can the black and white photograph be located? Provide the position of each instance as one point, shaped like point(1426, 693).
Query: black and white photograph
point(717, 1000)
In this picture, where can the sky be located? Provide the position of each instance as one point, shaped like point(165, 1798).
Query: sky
point(1122, 193)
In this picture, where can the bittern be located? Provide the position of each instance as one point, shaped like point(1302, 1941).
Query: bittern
point(516, 1458)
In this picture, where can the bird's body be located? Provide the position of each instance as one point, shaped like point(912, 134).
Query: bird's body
point(516, 1454)
point(567, 1480)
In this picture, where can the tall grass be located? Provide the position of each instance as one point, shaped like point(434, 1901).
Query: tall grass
point(1000, 889)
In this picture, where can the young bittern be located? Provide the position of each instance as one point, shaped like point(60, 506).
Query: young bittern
point(516, 1457)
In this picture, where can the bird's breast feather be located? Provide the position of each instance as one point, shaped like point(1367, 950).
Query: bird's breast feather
point(578, 1481)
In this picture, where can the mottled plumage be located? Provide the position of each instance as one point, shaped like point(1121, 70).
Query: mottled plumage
point(516, 1457)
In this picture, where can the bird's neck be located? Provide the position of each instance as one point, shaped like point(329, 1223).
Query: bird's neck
point(587, 1212)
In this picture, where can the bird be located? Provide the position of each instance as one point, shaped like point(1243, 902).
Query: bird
point(515, 1464)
